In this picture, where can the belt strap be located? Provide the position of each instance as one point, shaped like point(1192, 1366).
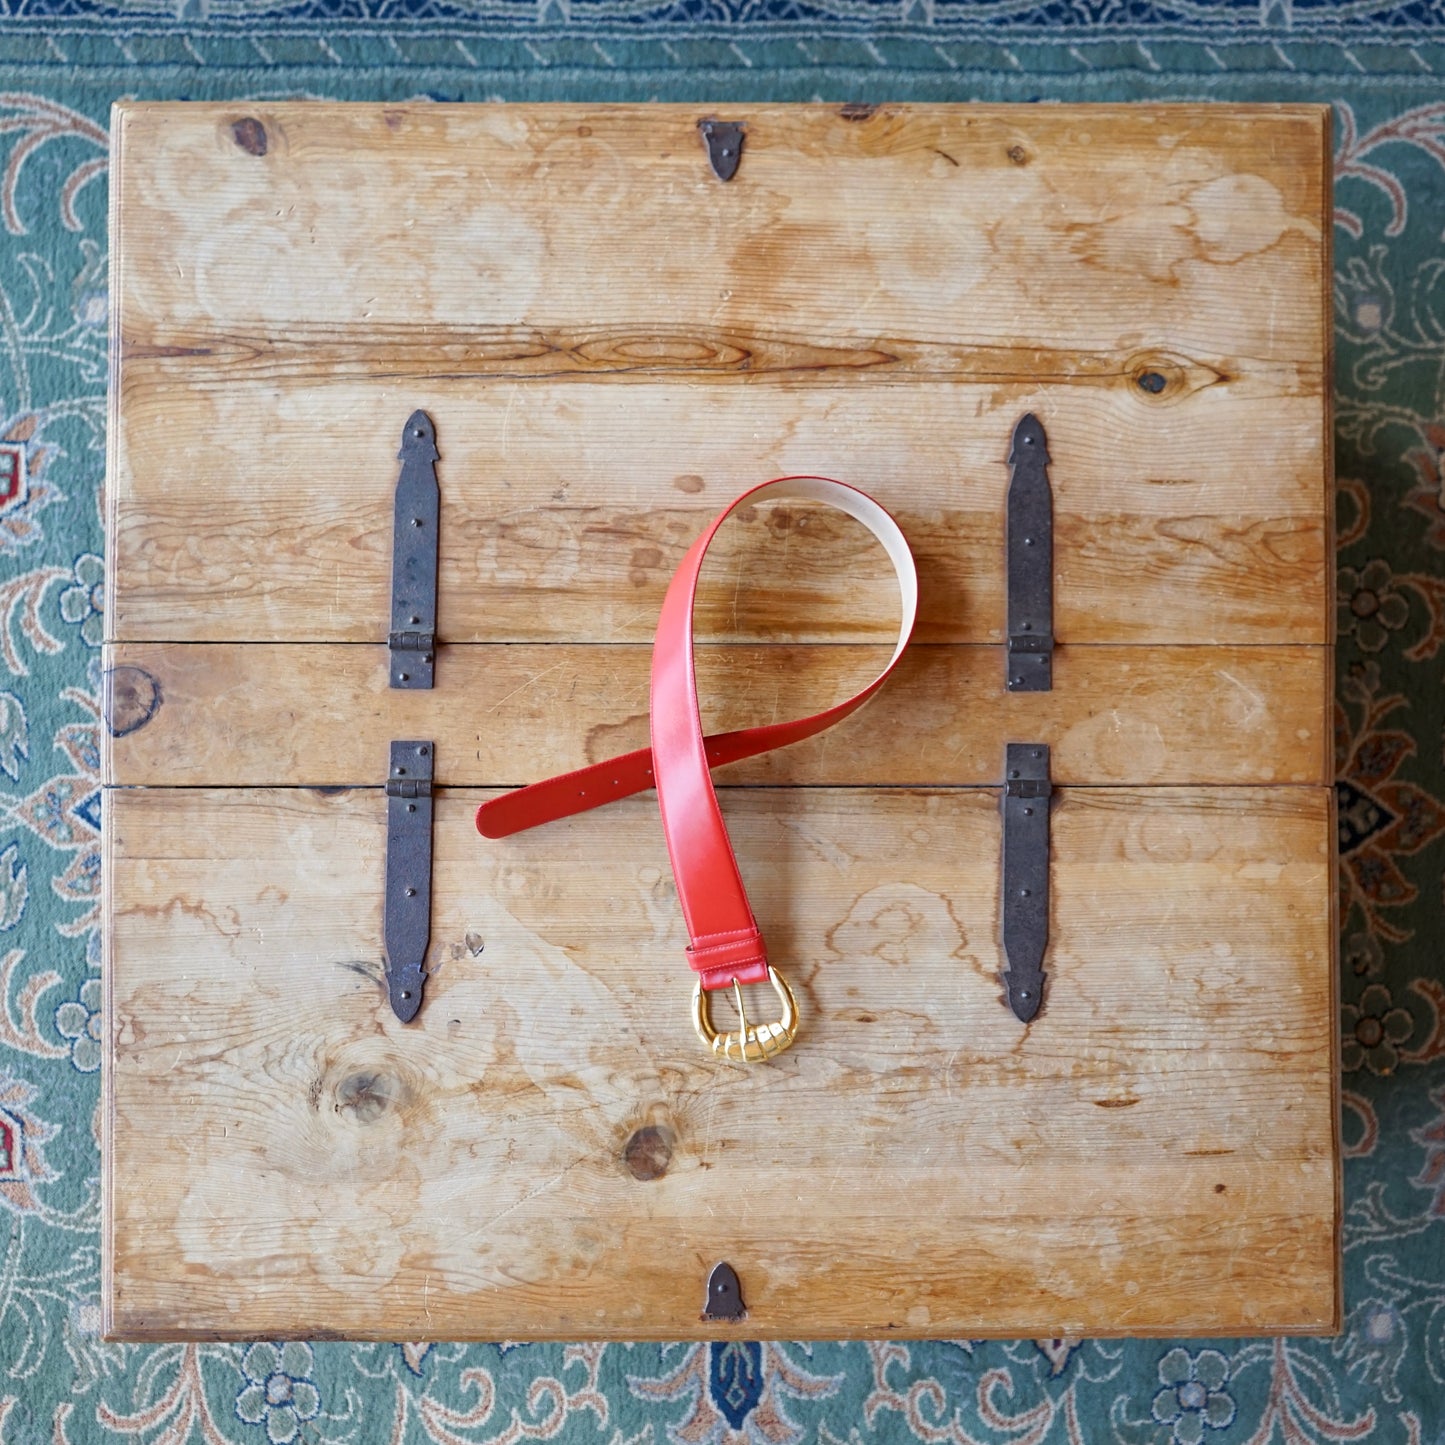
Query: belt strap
point(726, 945)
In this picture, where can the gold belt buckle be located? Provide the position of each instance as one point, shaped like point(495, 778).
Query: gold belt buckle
point(750, 1043)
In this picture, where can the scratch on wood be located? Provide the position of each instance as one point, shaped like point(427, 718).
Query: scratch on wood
point(530, 682)
point(485, 1226)
point(1256, 699)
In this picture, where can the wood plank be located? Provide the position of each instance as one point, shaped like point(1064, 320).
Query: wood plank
point(227, 716)
point(1038, 227)
point(1155, 1153)
point(564, 513)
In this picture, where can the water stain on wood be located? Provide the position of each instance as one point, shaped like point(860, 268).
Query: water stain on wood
point(645, 562)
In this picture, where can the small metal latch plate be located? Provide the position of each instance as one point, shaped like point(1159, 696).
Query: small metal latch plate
point(407, 910)
point(1030, 549)
point(724, 1294)
point(724, 141)
point(1027, 792)
point(412, 640)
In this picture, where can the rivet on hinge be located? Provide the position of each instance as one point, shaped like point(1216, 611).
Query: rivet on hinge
point(1027, 793)
point(412, 640)
point(407, 905)
point(724, 141)
point(724, 1294)
point(1030, 549)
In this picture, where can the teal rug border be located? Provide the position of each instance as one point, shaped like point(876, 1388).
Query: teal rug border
point(783, 62)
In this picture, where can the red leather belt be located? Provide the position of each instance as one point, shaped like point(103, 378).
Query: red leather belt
point(726, 947)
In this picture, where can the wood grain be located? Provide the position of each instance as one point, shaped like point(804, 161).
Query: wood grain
point(612, 345)
point(1156, 1152)
point(226, 716)
point(291, 281)
point(1056, 227)
point(564, 513)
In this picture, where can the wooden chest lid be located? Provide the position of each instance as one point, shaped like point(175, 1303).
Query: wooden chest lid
point(613, 343)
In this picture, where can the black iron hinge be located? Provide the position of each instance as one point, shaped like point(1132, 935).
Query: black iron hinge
point(724, 1294)
point(412, 640)
point(724, 142)
point(1030, 549)
point(1027, 794)
point(407, 909)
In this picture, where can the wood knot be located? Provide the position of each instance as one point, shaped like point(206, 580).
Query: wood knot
point(1163, 378)
point(250, 135)
point(368, 1095)
point(1018, 155)
point(857, 110)
point(648, 1152)
point(132, 698)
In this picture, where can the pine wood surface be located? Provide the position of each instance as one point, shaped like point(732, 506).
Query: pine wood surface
point(227, 715)
point(877, 300)
point(612, 345)
point(1102, 202)
point(566, 509)
point(1156, 1147)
